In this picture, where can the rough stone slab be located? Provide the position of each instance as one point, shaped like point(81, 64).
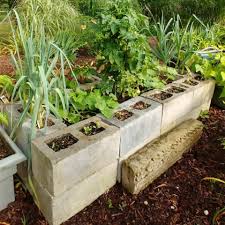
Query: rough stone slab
point(140, 128)
point(142, 168)
point(6, 192)
point(59, 171)
point(58, 209)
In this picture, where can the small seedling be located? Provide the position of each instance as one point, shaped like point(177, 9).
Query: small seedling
point(110, 205)
point(223, 143)
point(92, 128)
point(204, 114)
point(24, 220)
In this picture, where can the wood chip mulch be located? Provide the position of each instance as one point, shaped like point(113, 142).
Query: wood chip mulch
point(178, 197)
point(6, 66)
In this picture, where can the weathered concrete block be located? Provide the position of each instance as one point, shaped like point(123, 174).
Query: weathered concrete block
point(202, 92)
point(142, 168)
point(59, 171)
point(58, 209)
point(185, 105)
point(142, 127)
point(23, 133)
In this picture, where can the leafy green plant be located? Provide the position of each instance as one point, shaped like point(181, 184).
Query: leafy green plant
point(6, 86)
point(175, 44)
point(38, 87)
point(213, 68)
point(124, 51)
point(92, 102)
point(4, 119)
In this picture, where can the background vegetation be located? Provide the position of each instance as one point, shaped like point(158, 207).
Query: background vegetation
point(206, 10)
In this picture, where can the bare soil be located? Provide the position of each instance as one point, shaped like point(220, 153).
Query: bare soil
point(175, 90)
point(191, 82)
point(123, 115)
point(141, 105)
point(162, 96)
point(62, 142)
point(6, 66)
point(5, 150)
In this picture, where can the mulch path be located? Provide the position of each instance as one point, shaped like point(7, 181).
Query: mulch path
point(178, 197)
point(6, 66)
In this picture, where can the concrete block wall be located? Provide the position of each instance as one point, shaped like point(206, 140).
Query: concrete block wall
point(69, 180)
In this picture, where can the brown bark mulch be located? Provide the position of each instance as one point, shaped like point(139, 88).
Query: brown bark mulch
point(6, 66)
point(178, 197)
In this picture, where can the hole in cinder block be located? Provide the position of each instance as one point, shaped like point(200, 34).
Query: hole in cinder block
point(141, 105)
point(175, 89)
point(199, 78)
point(62, 142)
point(123, 115)
point(41, 125)
point(162, 95)
point(20, 110)
point(184, 86)
point(92, 128)
point(5, 149)
point(190, 82)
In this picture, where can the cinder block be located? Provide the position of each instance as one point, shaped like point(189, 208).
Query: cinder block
point(202, 92)
point(59, 171)
point(58, 209)
point(23, 133)
point(142, 127)
point(185, 105)
point(142, 168)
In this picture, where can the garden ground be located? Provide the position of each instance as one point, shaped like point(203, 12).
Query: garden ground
point(178, 197)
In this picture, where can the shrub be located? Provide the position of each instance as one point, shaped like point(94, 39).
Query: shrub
point(56, 15)
point(206, 10)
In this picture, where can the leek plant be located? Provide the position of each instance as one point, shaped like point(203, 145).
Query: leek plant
point(41, 88)
point(175, 44)
point(41, 84)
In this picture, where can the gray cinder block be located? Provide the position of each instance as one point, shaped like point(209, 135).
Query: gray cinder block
point(185, 105)
point(58, 171)
point(142, 127)
point(58, 209)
